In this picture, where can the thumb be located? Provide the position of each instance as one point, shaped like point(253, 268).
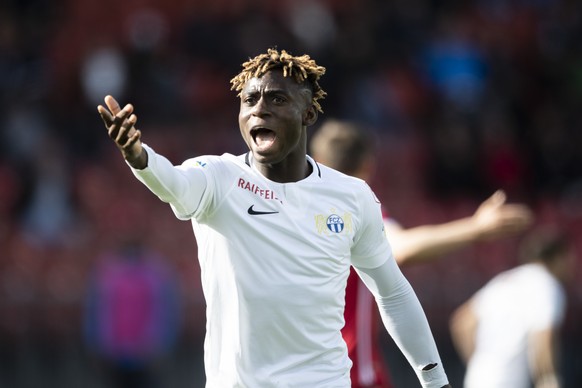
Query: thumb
point(497, 199)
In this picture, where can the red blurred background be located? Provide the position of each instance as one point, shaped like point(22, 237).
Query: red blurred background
point(464, 96)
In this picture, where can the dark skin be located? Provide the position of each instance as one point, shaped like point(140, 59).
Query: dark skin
point(275, 112)
point(120, 124)
point(274, 115)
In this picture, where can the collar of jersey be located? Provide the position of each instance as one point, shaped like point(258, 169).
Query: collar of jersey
point(315, 170)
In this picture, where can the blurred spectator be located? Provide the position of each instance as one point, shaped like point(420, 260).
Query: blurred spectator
point(49, 217)
point(454, 157)
point(312, 23)
point(502, 162)
point(456, 66)
point(132, 314)
point(22, 130)
point(104, 69)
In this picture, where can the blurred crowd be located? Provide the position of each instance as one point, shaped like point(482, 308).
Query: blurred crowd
point(464, 96)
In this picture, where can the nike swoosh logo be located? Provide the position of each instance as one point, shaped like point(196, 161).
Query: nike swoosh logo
point(254, 212)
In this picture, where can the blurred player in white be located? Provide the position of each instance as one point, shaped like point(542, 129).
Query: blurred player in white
point(347, 147)
point(508, 331)
point(277, 234)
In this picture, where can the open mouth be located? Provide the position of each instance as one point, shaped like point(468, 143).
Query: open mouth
point(263, 137)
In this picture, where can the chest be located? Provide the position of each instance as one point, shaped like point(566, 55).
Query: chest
point(310, 216)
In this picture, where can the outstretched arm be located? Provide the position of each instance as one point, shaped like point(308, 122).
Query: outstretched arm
point(493, 219)
point(182, 187)
point(120, 124)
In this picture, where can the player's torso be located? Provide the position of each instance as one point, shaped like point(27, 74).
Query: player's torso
point(275, 258)
point(511, 306)
point(298, 232)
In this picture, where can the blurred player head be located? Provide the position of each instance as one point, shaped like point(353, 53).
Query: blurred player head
point(550, 247)
point(346, 147)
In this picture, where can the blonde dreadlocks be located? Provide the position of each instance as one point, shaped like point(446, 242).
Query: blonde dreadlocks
point(303, 69)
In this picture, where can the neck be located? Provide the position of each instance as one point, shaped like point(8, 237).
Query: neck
point(286, 171)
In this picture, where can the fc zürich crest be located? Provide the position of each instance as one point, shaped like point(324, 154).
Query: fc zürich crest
point(333, 223)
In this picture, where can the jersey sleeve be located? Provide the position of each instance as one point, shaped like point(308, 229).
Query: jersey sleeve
point(371, 247)
point(183, 187)
point(405, 321)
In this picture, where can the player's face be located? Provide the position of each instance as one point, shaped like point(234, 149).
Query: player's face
point(274, 113)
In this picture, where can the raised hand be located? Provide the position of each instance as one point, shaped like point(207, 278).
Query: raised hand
point(120, 124)
point(497, 218)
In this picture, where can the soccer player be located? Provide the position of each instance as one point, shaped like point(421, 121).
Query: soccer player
point(277, 234)
point(345, 146)
point(508, 331)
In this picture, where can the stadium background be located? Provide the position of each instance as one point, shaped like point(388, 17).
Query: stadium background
point(464, 97)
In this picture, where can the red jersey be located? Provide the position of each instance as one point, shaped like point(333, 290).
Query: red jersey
point(361, 335)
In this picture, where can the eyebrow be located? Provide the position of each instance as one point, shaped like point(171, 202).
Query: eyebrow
point(268, 92)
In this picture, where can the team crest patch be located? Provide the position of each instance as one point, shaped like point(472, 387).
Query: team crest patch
point(333, 223)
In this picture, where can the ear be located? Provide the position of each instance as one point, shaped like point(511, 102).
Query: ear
point(310, 116)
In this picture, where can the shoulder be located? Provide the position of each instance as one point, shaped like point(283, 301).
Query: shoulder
point(349, 189)
point(224, 161)
point(334, 177)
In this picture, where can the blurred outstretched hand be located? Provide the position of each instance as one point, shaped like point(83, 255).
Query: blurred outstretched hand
point(497, 218)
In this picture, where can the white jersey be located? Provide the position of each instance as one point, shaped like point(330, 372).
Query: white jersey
point(512, 305)
point(274, 260)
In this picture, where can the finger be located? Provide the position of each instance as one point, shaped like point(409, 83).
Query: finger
point(123, 114)
point(129, 125)
point(497, 199)
point(527, 217)
point(519, 216)
point(112, 104)
point(105, 116)
point(500, 196)
point(114, 123)
point(132, 139)
point(123, 131)
point(519, 209)
point(113, 132)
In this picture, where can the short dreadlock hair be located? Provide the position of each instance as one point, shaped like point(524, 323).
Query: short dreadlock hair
point(303, 69)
